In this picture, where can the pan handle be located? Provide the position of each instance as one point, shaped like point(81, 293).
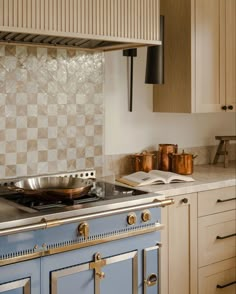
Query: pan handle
point(14, 189)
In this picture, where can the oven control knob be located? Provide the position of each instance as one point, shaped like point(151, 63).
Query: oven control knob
point(83, 230)
point(132, 219)
point(146, 216)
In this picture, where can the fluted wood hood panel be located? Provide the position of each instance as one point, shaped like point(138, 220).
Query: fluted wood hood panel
point(87, 24)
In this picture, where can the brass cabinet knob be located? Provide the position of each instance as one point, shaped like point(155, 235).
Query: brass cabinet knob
point(146, 216)
point(132, 219)
point(83, 230)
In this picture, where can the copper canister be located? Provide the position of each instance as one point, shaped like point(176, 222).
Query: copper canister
point(164, 159)
point(144, 161)
point(183, 163)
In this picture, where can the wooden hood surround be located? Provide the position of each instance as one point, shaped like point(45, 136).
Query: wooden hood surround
point(85, 24)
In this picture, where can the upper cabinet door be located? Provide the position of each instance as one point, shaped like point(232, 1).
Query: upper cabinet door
point(230, 54)
point(215, 55)
point(200, 62)
point(209, 65)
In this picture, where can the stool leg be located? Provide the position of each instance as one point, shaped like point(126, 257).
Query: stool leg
point(226, 157)
point(218, 151)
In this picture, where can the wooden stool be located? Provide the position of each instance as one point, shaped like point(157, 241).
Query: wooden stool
point(224, 142)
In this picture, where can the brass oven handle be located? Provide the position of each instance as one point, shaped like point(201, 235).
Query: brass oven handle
point(225, 237)
point(226, 285)
point(44, 224)
point(151, 280)
point(225, 200)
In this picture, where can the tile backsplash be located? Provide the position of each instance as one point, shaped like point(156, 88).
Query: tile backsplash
point(51, 110)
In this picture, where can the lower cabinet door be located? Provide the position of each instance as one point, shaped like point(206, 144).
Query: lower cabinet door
point(218, 278)
point(116, 274)
point(182, 245)
point(20, 278)
point(151, 270)
point(72, 280)
point(120, 274)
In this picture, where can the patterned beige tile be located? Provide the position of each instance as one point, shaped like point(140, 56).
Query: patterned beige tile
point(43, 156)
point(21, 158)
point(2, 159)
point(10, 122)
point(21, 133)
point(11, 147)
point(32, 145)
point(10, 171)
point(51, 101)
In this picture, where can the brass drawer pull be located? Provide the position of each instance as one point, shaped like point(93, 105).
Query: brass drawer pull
point(225, 237)
point(226, 285)
point(225, 200)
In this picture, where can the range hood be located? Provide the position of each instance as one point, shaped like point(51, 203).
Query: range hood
point(64, 42)
point(89, 25)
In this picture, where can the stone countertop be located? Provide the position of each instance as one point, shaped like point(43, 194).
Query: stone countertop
point(207, 177)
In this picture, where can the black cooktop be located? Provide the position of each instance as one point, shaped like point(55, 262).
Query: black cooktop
point(100, 191)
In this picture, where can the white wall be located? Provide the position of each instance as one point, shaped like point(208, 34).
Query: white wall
point(128, 132)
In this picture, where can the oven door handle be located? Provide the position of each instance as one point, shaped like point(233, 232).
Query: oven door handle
point(44, 223)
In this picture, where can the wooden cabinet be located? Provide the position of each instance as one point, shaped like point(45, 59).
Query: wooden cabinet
point(218, 278)
point(217, 241)
point(216, 237)
point(23, 277)
point(179, 249)
point(230, 53)
point(200, 57)
point(198, 249)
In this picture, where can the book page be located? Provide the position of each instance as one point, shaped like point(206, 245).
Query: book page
point(140, 179)
point(171, 177)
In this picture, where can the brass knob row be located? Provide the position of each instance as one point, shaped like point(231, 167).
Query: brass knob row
point(83, 229)
point(132, 217)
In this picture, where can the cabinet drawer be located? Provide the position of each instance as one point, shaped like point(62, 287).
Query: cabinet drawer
point(216, 237)
point(218, 278)
point(214, 201)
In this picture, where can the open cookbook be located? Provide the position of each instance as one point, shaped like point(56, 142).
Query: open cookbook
point(153, 177)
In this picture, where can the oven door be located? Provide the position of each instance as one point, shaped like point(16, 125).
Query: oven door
point(123, 266)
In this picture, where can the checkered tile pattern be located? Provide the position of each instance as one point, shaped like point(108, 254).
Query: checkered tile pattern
point(51, 110)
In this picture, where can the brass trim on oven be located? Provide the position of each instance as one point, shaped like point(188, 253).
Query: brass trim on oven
point(131, 233)
point(44, 224)
point(24, 283)
point(46, 252)
point(23, 257)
